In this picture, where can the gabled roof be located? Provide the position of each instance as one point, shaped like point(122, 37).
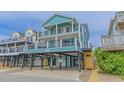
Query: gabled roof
point(31, 30)
point(57, 19)
point(19, 33)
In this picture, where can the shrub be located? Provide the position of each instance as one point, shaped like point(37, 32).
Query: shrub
point(110, 62)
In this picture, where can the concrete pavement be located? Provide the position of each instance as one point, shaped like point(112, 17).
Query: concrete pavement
point(7, 77)
point(37, 75)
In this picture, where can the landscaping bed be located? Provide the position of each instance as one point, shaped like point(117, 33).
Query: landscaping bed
point(110, 61)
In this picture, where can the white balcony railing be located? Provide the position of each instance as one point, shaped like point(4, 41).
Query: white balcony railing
point(28, 39)
point(59, 32)
point(12, 50)
point(44, 46)
point(113, 42)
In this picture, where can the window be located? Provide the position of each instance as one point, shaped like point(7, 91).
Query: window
point(58, 43)
point(46, 33)
point(15, 36)
point(52, 32)
point(60, 30)
point(51, 44)
point(68, 42)
point(28, 34)
point(67, 29)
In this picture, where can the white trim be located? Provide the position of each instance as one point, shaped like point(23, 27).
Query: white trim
point(79, 36)
point(76, 42)
point(59, 34)
point(60, 42)
point(72, 23)
point(56, 35)
point(49, 32)
point(83, 38)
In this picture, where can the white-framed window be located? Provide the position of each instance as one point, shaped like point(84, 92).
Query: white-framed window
point(67, 29)
point(28, 33)
point(15, 36)
point(60, 30)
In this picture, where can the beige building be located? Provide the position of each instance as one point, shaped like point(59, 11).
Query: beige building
point(114, 40)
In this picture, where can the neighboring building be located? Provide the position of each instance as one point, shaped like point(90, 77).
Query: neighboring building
point(114, 40)
point(17, 44)
point(60, 43)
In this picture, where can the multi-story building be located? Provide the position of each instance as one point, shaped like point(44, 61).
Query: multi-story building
point(114, 40)
point(60, 44)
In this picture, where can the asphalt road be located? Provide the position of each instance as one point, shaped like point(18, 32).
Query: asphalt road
point(7, 77)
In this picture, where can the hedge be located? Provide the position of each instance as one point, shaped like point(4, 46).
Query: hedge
point(110, 62)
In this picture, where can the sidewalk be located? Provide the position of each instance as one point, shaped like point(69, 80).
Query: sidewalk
point(95, 76)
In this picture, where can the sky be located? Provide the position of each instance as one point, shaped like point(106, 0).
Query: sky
point(98, 22)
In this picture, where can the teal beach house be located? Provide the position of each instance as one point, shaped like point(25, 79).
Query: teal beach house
point(58, 45)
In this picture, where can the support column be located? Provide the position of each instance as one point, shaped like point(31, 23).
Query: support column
point(74, 61)
point(60, 64)
point(66, 61)
point(7, 48)
point(4, 62)
point(31, 61)
point(18, 62)
point(47, 44)
point(70, 61)
point(22, 60)
point(15, 50)
point(36, 45)
point(49, 32)
point(7, 62)
point(11, 61)
point(80, 36)
point(51, 62)
point(79, 64)
point(14, 61)
point(41, 63)
point(75, 42)
point(60, 42)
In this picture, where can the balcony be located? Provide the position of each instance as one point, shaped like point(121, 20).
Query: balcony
point(28, 39)
point(43, 49)
point(60, 31)
point(12, 50)
point(115, 42)
point(20, 49)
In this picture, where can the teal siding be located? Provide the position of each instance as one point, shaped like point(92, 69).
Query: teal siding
point(56, 20)
point(69, 48)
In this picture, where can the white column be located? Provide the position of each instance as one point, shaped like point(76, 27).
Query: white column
point(47, 44)
point(49, 32)
point(60, 42)
point(63, 30)
point(42, 31)
point(15, 48)
point(36, 45)
point(79, 36)
point(37, 40)
point(72, 26)
point(75, 42)
point(7, 48)
point(56, 35)
point(26, 46)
